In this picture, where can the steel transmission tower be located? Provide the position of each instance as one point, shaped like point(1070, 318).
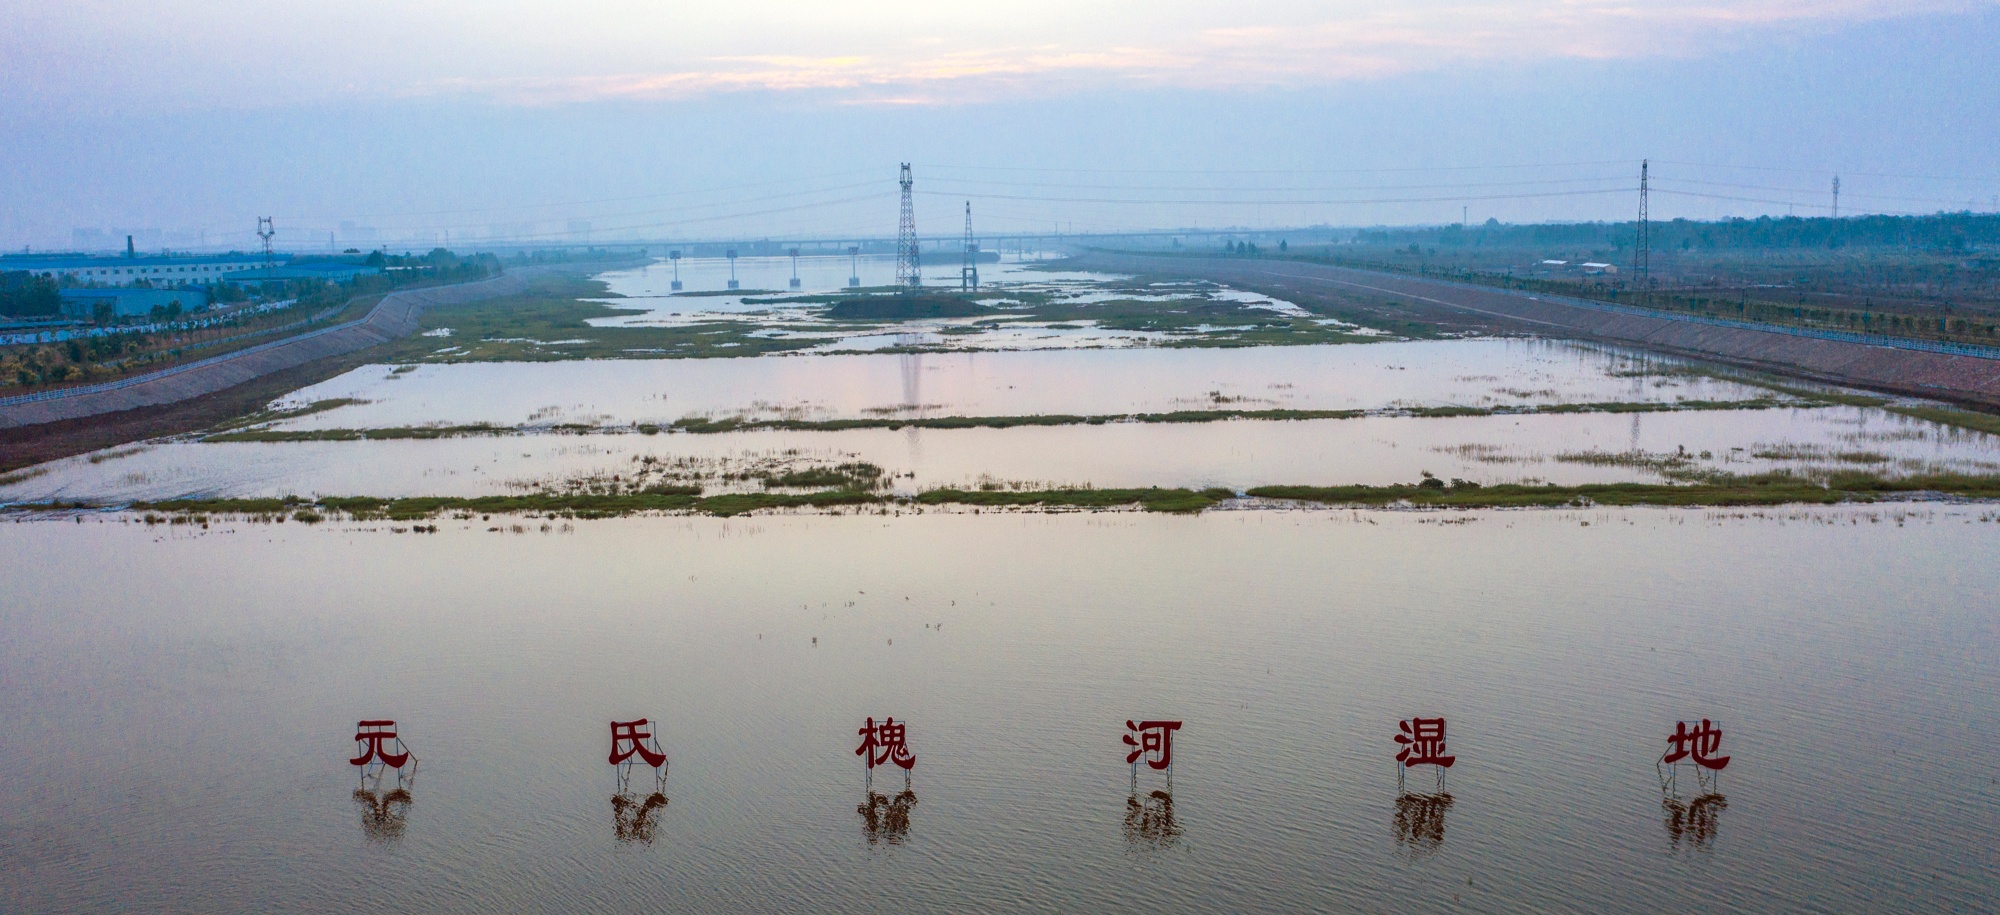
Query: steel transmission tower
point(909, 274)
point(968, 275)
point(1642, 253)
point(1836, 196)
point(266, 228)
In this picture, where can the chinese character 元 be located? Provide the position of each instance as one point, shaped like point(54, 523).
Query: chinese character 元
point(374, 734)
point(1423, 740)
point(885, 742)
point(1155, 741)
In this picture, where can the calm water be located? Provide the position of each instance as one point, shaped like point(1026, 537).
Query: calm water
point(1236, 454)
point(180, 702)
point(1352, 376)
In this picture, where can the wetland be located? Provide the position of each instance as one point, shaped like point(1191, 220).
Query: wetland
point(1100, 498)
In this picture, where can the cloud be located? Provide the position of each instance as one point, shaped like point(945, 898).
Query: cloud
point(192, 53)
point(1287, 50)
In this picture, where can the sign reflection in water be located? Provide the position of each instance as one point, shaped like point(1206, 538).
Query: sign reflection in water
point(1150, 821)
point(885, 819)
point(1693, 822)
point(383, 816)
point(1419, 824)
point(635, 821)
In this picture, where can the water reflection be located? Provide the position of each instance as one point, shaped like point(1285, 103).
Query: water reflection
point(1693, 823)
point(1150, 821)
point(635, 821)
point(884, 819)
point(383, 816)
point(1419, 824)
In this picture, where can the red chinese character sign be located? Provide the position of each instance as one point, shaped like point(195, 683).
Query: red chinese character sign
point(1152, 743)
point(629, 739)
point(1693, 822)
point(887, 742)
point(1422, 742)
point(1700, 745)
point(377, 747)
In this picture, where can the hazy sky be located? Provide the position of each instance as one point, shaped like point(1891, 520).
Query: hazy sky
point(512, 119)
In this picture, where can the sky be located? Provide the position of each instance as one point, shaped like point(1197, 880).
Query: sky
point(364, 122)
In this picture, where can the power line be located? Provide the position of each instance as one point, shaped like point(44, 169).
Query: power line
point(1276, 190)
point(1275, 171)
point(1295, 202)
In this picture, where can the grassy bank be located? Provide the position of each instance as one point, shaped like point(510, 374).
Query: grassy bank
point(1718, 491)
point(1759, 489)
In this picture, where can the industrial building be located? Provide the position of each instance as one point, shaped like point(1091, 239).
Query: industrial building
point(182, 270)
point(131, 303)
point(329, 271)
point(126, 271)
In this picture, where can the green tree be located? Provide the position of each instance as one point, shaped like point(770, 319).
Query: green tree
point(25, 295)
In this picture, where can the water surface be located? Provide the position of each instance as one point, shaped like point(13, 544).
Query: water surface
point(180, 716)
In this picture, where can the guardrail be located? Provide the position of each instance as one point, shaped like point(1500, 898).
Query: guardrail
point(1841, 336)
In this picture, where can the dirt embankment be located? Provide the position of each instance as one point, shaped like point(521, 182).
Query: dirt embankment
point(1968, 380)
point(198, 396)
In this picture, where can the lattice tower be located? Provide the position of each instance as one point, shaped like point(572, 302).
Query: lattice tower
point(909, 273)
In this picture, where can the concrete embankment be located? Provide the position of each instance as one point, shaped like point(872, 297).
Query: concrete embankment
point(1971, 380)
point(395, 316)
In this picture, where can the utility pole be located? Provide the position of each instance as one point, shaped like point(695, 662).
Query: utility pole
point(853, 266)
point(1642, 253)
point(1836, 196)
point(968, 275)
point(266, 228)
point(909, 273)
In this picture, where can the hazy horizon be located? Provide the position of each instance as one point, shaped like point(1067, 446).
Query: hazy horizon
point(525, 123)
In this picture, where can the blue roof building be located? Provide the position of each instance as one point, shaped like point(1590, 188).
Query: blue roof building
point(132, 303)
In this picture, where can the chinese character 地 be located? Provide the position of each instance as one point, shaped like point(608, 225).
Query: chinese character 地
point(1700, 744)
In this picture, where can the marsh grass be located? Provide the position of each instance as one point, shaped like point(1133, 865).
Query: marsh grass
point(711, 425)
point(262, 417)
point(1715, 490)
point(22, 476)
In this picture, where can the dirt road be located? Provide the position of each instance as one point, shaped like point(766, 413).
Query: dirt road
point(1966, 379)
